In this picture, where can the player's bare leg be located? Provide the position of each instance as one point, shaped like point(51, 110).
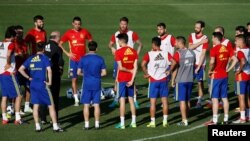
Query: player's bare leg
point(242, 104)
point(17, 109)
point(215, 103)
point(97, 115)
point(122, 114)
point(27, 107)
point(133, 112)
point(226, 109)
point(115, 103)
point(36, 117)
point(164, 101)
point(52, 114)
point(74, 89)
point(3, 107)
point(152, 112)
point(135, 98)
point(86, 116)
point(183, 108)
point(200, 94)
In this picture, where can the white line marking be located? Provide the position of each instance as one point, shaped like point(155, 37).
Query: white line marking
point(170, 134)
point(125, 4)
point(105, 83)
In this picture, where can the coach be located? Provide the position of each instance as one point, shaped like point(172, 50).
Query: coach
point(54, 52)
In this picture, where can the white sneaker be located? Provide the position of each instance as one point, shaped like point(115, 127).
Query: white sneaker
point(240, 120)
point(28, 110)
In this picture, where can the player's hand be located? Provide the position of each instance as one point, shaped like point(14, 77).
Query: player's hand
point(47, 83)
point(167, 73)
point(197, 70)
point(29, 78)
point(203, 41)
point(113, 50)
point(146, 76)
point(237, 72)
point(130, 83)
point(211, 72)
point(7, 66)
point(72, 55)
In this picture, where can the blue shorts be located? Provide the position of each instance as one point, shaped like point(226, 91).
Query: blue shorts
point(40, 93)
point(218, 88)
point(183, 91)
point(158, 89)
point(73, 66)
point(125, 91)
point(200, 76)
point(241, 87)
point(115, 70)
point(89, 96)
point(9, 86)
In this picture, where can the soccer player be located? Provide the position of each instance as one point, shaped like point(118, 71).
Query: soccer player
point(133, 39)
point(154, 66)
point(39, 67)
point(198, 42)
point(9, 86)
point(240, 30)
point(218, 72)
point(21, 54)
point(242, 69)
point(126, 58)
point(92, 67)
point(36, 34)
point(227, 43)
point(183, 77)
point(77, 38)
point(55, 54)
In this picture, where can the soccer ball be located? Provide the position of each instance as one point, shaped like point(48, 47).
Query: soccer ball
point(10, 110)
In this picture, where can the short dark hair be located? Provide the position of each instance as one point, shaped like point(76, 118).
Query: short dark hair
point(182, 39)
point(156, 41)
point(123, 36)
point(221, 29)
point(161, 25)
point(124, 19)
point(218, 35)
point(92, 45)
point(19, 27)
point(38, 17)
point(241, 28)
point(40, 46)
point(202, 23)
point(77, 18)
point(10, 32)
point(242, 37)
point(248, 23)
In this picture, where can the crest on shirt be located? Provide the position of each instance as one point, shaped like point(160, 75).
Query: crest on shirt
point(223, 49)
point(128, 52)
point(81, 36)
point(74, 41)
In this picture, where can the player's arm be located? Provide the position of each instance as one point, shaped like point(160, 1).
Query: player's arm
point(111, 47)
point(139, 47)
point(144, 68)
point(174, 74)
point(173, 64)
point(69, 54)
point(49, 72)
point(202, 58)
point(24, 74)
point(121, 68)
point(194, 46)
point(233, 61)
point(134, 71)
point(211, 65)
point(242, 63)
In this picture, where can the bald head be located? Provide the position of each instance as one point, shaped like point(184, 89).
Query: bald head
point(55, 36)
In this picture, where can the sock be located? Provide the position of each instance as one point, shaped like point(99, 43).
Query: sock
point(165, 117)
point(226, 117)
point(18, 117)
point(4, 116)
point(199, 99)
point(76, 97)
point(122, 121)
point(135, 98)
point(215, 118)
point(38, 127)
point(133, 119)
point(152, 119)
point(242, 115)
point(185, 121)
point(27, 105)
point(86, 124)
point(55, 126)
point(97, 124)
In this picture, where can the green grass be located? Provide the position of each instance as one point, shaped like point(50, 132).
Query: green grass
point(102, 20)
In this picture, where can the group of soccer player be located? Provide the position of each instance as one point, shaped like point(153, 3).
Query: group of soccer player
point(169, 61)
